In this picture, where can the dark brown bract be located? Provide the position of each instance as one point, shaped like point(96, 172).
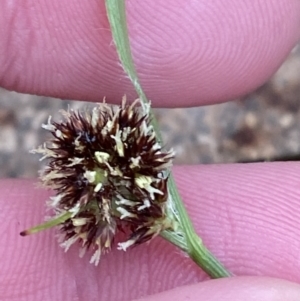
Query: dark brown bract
point(110, 173)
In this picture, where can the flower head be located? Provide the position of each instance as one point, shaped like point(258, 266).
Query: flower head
point(109, 173)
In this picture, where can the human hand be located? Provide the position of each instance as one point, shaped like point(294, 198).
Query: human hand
point(246, 214)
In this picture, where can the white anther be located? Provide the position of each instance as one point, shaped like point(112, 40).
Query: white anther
point(119, 143)
point(144, 182)
point(49, 126)
point(98, 187)
point(147, 204)
point(125, 245)
point(90, 176)
point(79, 221)
point(96, 256)
point(95, 117)
point(124, 213)
point(102, 157)
point(135, 162)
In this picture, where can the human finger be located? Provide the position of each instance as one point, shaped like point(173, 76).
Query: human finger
point(233, 289)
point(185, 54)
point(247, 215)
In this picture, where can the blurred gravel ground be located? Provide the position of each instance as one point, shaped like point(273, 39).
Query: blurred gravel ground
point(262, 126)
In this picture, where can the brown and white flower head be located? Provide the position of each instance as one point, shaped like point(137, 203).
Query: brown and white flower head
point(109, 173)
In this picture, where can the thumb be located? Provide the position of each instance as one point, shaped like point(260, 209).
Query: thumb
point(186, 53)
point(233, 289)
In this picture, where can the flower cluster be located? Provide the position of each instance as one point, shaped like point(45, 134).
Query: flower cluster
point(109, 173)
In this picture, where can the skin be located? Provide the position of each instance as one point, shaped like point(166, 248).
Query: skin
point(186, 53)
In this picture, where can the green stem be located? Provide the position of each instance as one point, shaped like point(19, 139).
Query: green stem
point(49, 224)
point(194, 245)
point(186, 239)
point(117, 20)
point(205, 259)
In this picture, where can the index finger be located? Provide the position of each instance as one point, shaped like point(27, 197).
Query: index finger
point(186, 54)
point(247, 214)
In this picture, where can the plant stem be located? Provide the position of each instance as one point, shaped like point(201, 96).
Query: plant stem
point(49, 224)
point(186, 239)
point(195, 247)
point(206, 260)
point(117, 20)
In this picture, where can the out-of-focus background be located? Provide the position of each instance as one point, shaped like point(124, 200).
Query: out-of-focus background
point(263, 126)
